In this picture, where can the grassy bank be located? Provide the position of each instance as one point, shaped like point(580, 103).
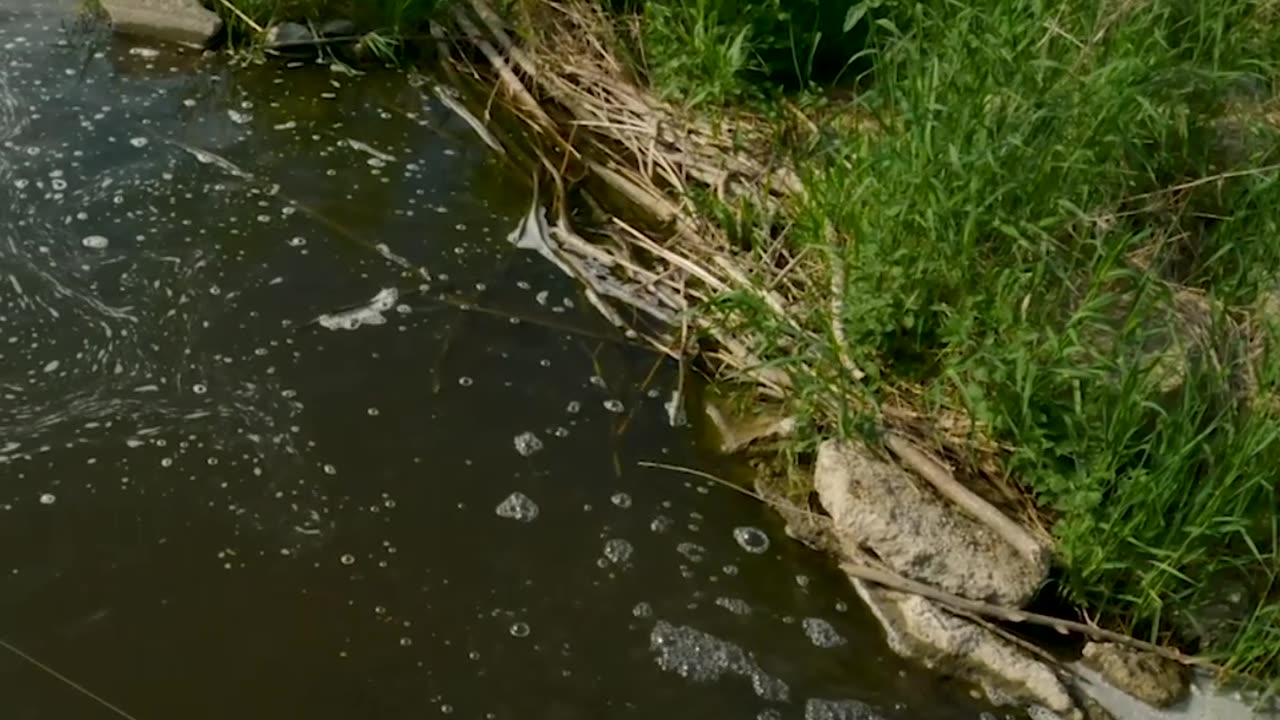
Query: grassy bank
point(1053, 231)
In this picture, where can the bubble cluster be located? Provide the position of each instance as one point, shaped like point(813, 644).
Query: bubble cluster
point(822, 633)
point(700, 657)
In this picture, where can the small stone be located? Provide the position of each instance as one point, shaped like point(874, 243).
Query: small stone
point(291, 39)
point(1157, 681)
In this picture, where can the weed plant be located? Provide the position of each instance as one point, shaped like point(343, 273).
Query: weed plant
point(1065, 226)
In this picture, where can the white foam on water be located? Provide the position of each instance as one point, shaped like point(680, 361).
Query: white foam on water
point(517, 506)
point(737, 606)
point(701, 657)
point(618, 551)
point(822, 633)
point(816, 709)
point(692, 551)
point(526, 443)
point(367, 314)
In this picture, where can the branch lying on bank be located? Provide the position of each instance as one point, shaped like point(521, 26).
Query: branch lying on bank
point(945, 483)
point(894, 581)
point(884, 577)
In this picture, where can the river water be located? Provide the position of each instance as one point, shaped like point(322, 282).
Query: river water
point(234, 487)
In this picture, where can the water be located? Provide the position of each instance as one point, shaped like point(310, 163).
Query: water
point(259, 461)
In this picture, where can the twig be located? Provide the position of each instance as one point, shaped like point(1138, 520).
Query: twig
point(240, 14)
point(894, 581)
point(470, 119)
point(839, 287)
point(1205, 181)
point(980, 509)
point(732, 486)
point(66, 681)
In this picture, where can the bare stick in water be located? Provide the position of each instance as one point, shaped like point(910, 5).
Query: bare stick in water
point(67, 681)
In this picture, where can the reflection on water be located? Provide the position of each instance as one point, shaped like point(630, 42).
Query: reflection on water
point(287, 430)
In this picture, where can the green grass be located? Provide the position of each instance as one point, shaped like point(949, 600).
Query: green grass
point(1014, 243)
point(719, 51)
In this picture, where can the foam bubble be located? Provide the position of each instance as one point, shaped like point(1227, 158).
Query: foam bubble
point(518, 506)
point(527, 443)
point(751, 539)
point(618, 551)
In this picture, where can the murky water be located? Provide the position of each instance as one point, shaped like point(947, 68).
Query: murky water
point(288, 430)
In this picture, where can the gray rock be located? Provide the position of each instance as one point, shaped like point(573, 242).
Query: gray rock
point(286, 34)
point(338, 27)
point(179, 21)
point(1157, 681)
point(917, 628)
point(881, 507)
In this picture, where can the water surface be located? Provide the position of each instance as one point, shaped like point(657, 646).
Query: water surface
point(288, 430)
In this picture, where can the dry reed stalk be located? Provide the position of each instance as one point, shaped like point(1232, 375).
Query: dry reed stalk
point(648, 153)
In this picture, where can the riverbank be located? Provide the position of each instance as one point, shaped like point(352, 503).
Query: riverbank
point(1029, 239)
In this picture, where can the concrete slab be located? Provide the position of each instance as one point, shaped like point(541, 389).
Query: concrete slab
point(178, 21)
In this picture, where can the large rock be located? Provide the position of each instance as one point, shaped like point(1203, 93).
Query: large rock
point(1154, 680)
point(878, 506)
point(178, 21)
point(917, 628)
